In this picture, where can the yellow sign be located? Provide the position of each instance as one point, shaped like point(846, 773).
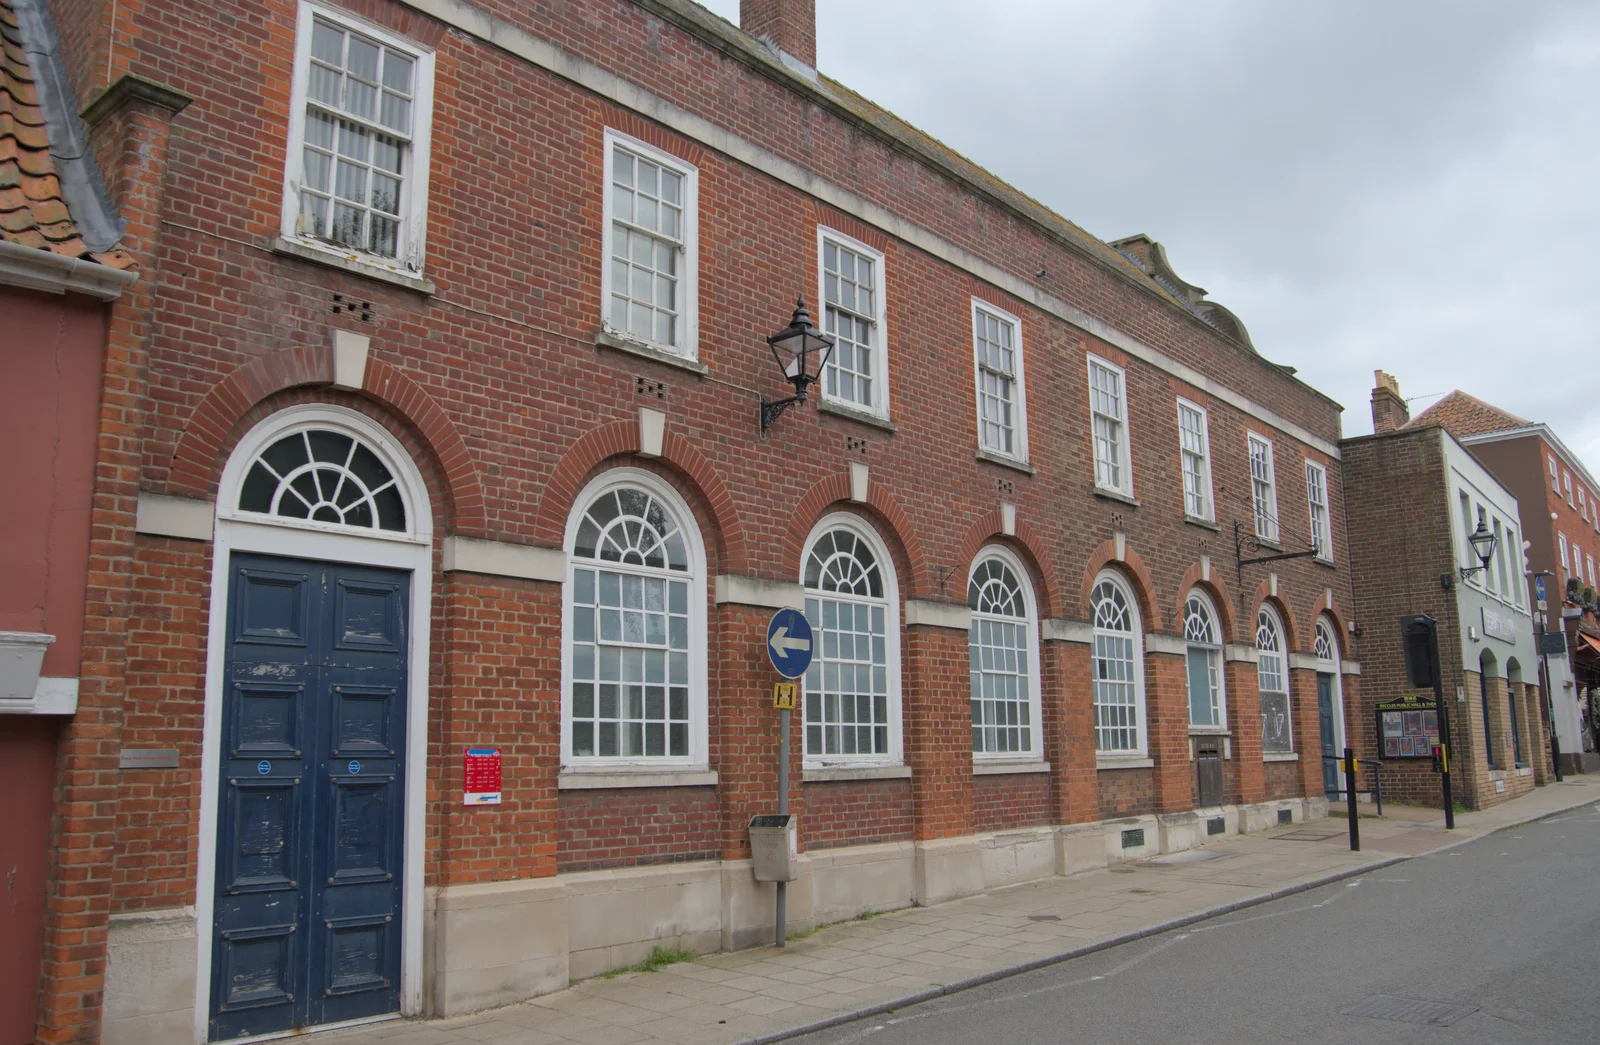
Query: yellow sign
point(783, 695)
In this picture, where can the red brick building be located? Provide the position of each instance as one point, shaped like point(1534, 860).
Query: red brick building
point(1560, 506)
point(58, 269)
point(437, 430)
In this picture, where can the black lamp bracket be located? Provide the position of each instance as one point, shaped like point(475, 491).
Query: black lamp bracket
point(772, 409)
point(1241, 542)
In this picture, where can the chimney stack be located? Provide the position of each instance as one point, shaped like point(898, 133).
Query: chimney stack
point(788, 25)
point(1389, 411)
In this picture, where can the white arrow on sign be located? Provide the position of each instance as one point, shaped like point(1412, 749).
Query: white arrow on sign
point(782, 643)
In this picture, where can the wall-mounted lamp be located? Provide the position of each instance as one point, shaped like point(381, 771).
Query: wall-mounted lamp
point(1483, 544)
point(801, 351)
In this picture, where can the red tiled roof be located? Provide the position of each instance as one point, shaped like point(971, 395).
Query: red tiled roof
point(33, 212)
point(1461, 414)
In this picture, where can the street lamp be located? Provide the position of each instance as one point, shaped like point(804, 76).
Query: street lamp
point(801, 351)
point(1483, 543)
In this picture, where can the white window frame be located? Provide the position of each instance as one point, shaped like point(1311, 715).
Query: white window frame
point(1325, 546)
point(1210, 513)
point(1331, 666)
point(689, 273)
point(1140, 716)
point(1589, 561)
point(1035, 750)
point(1566, 480)
point(1274, 524)
point(880, 320)
point(1566, 565)
point(1019, 403)
point(1583, 504)
point(1124, 441)
point(1519, 582)
point(891, 630)
point(1555, 477)
point(411, 243)
point(1283, 669)
point(670, 499)
point(1217, 666)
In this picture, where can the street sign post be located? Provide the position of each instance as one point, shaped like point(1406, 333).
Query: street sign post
point(789, 647)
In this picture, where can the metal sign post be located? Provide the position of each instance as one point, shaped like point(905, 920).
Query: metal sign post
point(789, 647)
point(1544, 669)
point(1349, 768)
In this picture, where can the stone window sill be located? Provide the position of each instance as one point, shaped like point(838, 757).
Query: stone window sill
point(599, 777)
point(1115, 495)
point(822, 774)
point(1002, 768)
point(350, 263)
point(1112, 762)
point(825, 406)
point(1320, 561)
point(606, 339)
point(1006, 462)
point(1286, 756)
point(1204, 524)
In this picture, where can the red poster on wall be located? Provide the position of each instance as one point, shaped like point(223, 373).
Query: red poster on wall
point(482, 784)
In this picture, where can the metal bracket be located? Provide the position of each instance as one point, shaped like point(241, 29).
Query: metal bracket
point(773, 409)
point(1239, 542)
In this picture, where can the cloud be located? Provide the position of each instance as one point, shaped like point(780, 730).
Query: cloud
point(1398, 185)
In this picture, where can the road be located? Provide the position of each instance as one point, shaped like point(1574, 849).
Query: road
point(1509, 924)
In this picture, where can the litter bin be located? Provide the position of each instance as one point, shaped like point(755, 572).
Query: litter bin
point(774, 846)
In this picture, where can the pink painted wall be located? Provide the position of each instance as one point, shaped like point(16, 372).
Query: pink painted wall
point(51, 349)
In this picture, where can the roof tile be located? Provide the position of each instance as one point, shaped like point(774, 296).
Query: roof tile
point(33, 212)
point(1461, 414)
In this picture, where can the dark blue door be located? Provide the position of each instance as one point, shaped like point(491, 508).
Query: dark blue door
point(310, 825)
point(1332, 783)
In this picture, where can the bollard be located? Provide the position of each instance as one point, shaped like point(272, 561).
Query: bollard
point(1350, 798)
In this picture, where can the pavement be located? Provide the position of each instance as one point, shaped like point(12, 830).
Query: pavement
point(860, 968)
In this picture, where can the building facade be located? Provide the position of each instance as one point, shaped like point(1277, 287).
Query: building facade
point(58, 269)
point(442, 436)
point(1416, 495)
point(1560, 523)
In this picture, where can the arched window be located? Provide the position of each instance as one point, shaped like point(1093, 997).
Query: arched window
point(635, 610)
point(1486, 669)
point(852, 689)
point(1327, 647)
point(1272, 679)
point(324, 475)
point(1118, 668)
point(1514, 693)
point(1207, 707)
point(1002, 661)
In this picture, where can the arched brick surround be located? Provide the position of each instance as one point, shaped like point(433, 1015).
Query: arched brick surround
point(1217, 588)
point(1291, 624)
point(619, 438)
point(989, 528)
point(197, 461)
point(902, 533)
point(1138, 577)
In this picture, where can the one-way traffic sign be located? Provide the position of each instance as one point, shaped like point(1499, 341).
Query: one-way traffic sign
point(789, 643)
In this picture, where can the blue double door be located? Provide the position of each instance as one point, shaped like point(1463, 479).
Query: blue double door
point(311, 820)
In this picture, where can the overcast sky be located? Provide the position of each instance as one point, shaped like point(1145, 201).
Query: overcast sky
point(1368, 184)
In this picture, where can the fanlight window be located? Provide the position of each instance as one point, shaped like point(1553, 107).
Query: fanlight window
point(1204, 655)
point(842, 562)
point(324, 476)
point(1116, 670)
point(1271, 680)
point(629, 526)
point(847, 685)
point(1327, 649)
point(997, 650)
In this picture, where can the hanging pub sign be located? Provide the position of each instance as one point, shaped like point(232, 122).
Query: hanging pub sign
point(1408, 726)
point(482, 777)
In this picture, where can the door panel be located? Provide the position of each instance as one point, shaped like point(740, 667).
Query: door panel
point(1208, 770)
point(1330, 770)
point(310, 832)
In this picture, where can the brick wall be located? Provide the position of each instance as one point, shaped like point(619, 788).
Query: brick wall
point(1000, 803)
point(632, 826)
point(856, 812)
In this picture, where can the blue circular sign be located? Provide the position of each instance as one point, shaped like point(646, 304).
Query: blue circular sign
point(789, 643)
point(263, 767)
point(355, 767)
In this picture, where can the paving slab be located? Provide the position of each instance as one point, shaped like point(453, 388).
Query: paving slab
point(862, 967)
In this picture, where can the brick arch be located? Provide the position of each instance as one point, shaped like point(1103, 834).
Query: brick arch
point(621, 438)
point(210, 430)
point(1221, 597)
point(1133, 570)
point(1341, 625)
point(1291, 624)
point(988, 529)
point(901, 536)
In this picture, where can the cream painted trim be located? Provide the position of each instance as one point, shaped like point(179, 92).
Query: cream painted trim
point(1350, 667)
point(1155, 642)
point(1281, 756)
point(498, 559)
point(53, 273)
point(754, 591)
point(160, 515)
point(51, 696)
point(1114, 762)
point(1306, 661)
point(572, 779)
point(827, 774)
point(1057, 630)
point(859, 488)
point(987, 768)
point(652, 431)
point(938, 615)
point(350, 359)
point(473, 21)
point(1235, 653)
